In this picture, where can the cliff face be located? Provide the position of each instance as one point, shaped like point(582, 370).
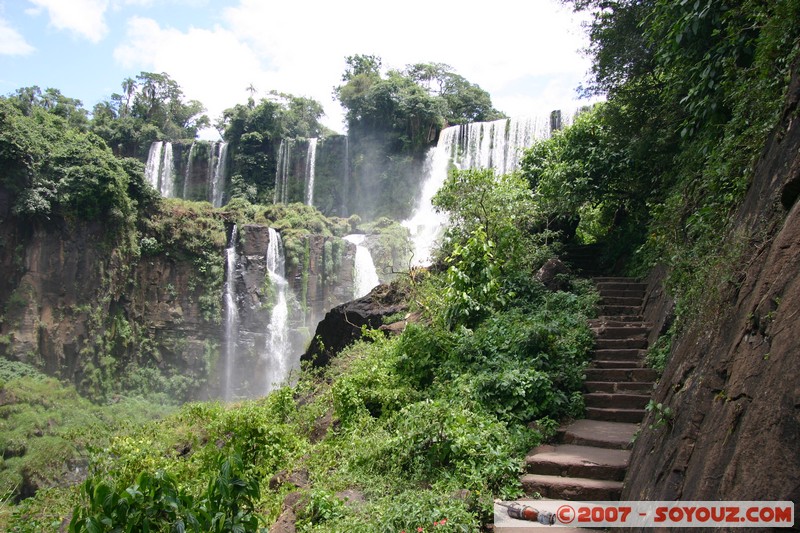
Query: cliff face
point(733, 382)
point(81, 309)
point(77, 307)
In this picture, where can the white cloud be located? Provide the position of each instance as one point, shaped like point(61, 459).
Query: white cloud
point(12, 43)
point(211, 66)
point(494, 46)
point(85, 18)
point(299, 47)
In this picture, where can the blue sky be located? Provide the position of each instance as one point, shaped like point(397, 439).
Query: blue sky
point(527, 55)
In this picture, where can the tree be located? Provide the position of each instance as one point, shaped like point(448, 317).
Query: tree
point(254, 132)
point(151, 107)
point(54, 169)
point(27, 99)
point(466, 102)
point(489, 241)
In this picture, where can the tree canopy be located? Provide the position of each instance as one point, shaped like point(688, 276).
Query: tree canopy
point(409, 107)
point(151, 107)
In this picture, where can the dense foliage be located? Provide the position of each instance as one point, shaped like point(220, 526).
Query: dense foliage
point(255, 131)
point(393, 118)
point(48, 431)
point(401, 424)
point(51, 168)
point(150, 108)
point(692, 90)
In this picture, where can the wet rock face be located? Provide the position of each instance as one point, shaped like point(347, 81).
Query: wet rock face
point(342, 324)
point(733, 380)
point(63, 279)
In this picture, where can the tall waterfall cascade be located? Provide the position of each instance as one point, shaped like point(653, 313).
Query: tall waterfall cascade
point(365, 276)
point(497, 145)
point(217, 170)
point(282, 172)
point(189, 168)
point(231, 313)
point(311, 165)
point(159, 170)
point(277, 349)
point(176, 170)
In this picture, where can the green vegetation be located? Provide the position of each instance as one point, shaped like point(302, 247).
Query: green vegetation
point(693, 88)
point(428, 426)
point(255, 131)
point(53, 169)
point(48, 433)
point(392, 119)
point(150, 108)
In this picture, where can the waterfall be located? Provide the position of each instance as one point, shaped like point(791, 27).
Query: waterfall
point(311, 159)
point(153, 164)
point(166, 177)
point(216, 174)
point(282, 172)
point(346, 178)
point(231, 315)
point(365, 276)
point(497, 145)
point(159, 170)
point(188, 174)
point(277, 346)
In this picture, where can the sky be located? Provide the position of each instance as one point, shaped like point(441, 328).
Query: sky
point(527, 55)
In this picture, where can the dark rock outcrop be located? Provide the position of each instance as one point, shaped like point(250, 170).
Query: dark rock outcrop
point(342, 324)
point(553, 275)
point(732, 380)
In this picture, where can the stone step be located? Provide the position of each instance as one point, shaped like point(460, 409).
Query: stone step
point(571, 488)
point(621, 286)
point(602, 434)
point(628, 310)
point(626, 319)
point(613, 279)
point(644, 387)
point(639, 295)
point(578, 461)
point(631, 343)
point(621, 374)
point(599, 363)
point(621, 332)
point(622, 400)
point(626, 322)
point(620, 300)
point(615, 414)
point(619, 354)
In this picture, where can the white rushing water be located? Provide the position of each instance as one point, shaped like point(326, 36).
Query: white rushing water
point(153, 164)
point(365, 275)
point(277, 345)
point(497, 145)
point(217, 171)
point(187, 176)
point(166, 175)
point(282, 172)
point(231, 316)
point(159, 171)
point(311, 163)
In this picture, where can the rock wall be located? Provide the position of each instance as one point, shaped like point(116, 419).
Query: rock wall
point(342, 324)
point(733, 380)
point(71, 300)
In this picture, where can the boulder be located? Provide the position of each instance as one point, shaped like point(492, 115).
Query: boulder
point(553, 275)
point(342, 324)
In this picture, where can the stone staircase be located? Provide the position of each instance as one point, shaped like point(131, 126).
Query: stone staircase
point(590, 458)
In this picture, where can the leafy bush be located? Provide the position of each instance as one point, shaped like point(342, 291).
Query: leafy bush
point(157, 502)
